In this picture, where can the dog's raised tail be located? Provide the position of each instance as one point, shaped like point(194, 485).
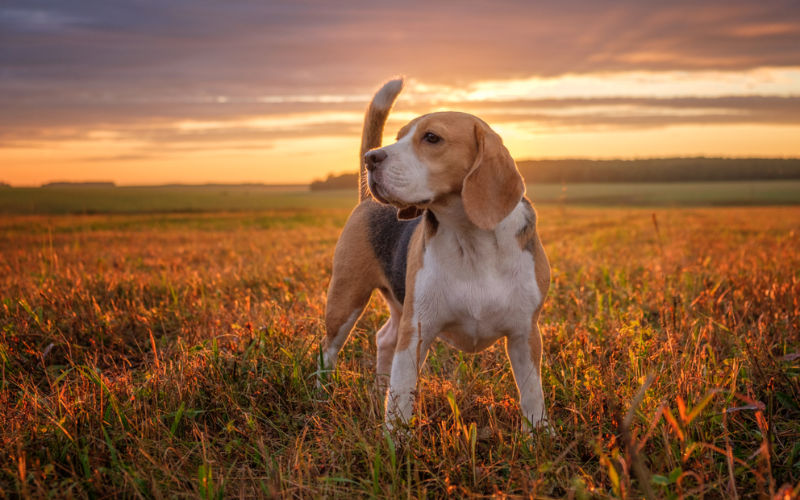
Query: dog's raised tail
point(374, 120)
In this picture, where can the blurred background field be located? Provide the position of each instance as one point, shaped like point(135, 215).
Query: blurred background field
point(78, 199)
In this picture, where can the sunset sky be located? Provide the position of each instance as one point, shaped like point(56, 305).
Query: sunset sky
point(148, 92)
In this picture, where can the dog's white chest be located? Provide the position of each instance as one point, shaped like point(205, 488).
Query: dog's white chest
point(475, 291)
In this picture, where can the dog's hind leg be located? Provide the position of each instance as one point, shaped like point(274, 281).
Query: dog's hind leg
point(355, 275)
point(386, 340)
point(342, 312)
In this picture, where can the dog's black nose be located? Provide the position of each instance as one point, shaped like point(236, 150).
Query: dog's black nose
point(373, 158)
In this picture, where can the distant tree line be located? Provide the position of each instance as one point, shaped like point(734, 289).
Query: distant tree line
point(92, 184)
point(336, 181)
point(660, 170)
point(652, 170)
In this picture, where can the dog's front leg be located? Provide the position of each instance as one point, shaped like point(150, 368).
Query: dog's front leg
point(412, 349)
point(386, 340)
point(524, 350)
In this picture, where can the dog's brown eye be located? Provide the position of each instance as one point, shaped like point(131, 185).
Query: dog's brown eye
point(431, 138)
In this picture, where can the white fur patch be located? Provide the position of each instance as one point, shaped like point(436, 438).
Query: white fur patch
point(481, 286)
point(385, 97)
point(402, 177)
point(332, 350)
point(479, 283)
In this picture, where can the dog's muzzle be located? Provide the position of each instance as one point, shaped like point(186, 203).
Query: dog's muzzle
point(374, 158)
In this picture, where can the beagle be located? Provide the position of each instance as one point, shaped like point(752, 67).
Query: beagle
point(450, 243)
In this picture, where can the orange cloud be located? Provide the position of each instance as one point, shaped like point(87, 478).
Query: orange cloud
point(199, 91)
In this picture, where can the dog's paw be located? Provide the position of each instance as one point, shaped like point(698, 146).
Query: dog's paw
point(398, 431)
point(540, 427)
point(323, 384)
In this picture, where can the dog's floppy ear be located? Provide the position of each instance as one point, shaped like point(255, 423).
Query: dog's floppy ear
point(493, 186)
point(409, 213)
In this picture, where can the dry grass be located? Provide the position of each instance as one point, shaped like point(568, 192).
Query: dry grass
point(174, 356)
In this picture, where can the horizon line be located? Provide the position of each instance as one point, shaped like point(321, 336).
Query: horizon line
point(110, 183)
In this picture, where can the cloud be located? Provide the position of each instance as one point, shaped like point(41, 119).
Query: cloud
point(609, 113)
point(247, 47)
point(249, 126)
point(36, 20)
point(137, 70)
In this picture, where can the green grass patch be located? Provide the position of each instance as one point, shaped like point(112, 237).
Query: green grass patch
point(201, 199)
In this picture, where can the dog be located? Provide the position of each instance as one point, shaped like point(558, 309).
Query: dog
point(450, 242)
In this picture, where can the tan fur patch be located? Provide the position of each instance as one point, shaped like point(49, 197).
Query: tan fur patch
point(449, 160)
point(529, 240)
point(414, 265)
point(468, 159)
point(535, 342)
point(356, 272)
point(493, 186)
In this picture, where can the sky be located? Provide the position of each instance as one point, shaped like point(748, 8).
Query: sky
point(196, 91)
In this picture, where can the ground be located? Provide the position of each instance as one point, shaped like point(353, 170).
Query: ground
point(174, 355)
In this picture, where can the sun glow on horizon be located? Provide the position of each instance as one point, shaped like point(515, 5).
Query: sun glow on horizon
point(563, 116)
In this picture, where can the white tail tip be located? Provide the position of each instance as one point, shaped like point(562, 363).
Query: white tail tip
point(385, 97)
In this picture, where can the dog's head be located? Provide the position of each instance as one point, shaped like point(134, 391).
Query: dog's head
point(443, 154)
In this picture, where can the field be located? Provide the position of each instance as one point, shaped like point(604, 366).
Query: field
point(139, 199)
point(173, 355)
